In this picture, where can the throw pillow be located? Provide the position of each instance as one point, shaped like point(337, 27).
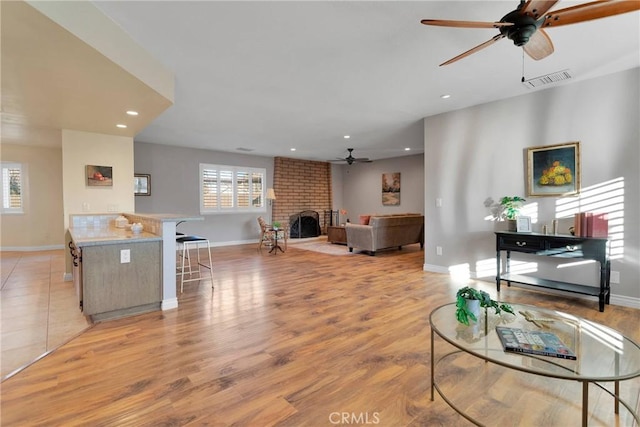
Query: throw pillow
point(364, 219)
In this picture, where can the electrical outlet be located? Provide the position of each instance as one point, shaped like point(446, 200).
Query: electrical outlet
point(86, 207)
point(125, 256)
point(615, 277)
point(438, 250)
point(112, 208)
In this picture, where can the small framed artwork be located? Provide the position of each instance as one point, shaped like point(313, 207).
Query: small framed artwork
point(99, 176)
point(553, 170)
point(142, 184)
point(391, 189)
point(523, 224)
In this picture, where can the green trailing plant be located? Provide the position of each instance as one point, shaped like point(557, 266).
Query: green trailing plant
point(510, 206)
point(462, 311)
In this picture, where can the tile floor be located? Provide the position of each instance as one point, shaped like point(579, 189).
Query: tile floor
point(38, 311)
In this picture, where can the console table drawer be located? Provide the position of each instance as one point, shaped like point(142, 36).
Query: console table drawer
point(521, 243)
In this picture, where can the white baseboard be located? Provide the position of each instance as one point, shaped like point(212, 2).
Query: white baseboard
point(233, 243)
point(435, 268)
point(621, 300)
point(169, 304)
point(625, 301)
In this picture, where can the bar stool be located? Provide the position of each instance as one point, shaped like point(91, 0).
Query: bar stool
point(188, 243)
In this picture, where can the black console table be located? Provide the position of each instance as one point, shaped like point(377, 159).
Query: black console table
point(560, 246)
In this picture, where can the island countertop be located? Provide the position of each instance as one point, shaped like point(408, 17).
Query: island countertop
point(167, 217)
point(90, 236)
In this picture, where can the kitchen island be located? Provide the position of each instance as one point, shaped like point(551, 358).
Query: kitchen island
point(121, 272)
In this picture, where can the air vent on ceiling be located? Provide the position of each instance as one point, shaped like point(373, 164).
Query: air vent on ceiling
point(547, 79)
point(244, 149)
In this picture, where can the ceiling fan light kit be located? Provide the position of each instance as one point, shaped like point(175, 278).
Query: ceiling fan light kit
point(351, 160)
point(525, 25)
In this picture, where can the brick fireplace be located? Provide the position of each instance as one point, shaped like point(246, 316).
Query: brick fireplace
point(301, 185)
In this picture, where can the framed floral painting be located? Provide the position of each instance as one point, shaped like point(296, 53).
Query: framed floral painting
point(553, 170)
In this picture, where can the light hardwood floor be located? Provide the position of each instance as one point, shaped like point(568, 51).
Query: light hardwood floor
point(39, 309)
point(298, 339)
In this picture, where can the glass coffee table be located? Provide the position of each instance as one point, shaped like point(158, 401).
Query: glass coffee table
point(602, 354)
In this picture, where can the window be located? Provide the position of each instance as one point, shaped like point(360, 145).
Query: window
point(12, 188)
point(230, 189)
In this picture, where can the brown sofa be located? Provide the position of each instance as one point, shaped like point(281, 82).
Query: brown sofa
point(386, 231)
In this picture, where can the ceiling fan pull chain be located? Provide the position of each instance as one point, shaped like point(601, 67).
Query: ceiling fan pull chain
point(522, 65)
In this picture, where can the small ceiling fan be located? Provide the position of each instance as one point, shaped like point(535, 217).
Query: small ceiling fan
point(525, 25)
point(351, 160)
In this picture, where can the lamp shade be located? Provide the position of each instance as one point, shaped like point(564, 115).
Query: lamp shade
point(271, 195)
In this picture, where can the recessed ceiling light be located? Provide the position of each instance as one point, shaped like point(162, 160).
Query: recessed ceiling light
point(347, 136)
point(132, 113)
point(407, 149)
point(293, 149)
point(121, 126)
point(445, 96)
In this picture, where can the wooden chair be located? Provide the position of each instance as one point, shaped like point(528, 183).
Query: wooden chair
point(266, 235)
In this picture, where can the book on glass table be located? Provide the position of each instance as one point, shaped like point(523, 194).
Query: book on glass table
point(533, 342)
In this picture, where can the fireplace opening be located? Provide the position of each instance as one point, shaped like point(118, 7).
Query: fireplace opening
point(304, 224)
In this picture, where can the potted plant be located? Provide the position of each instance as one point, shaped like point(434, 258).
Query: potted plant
point(276, 225)
point(509, 210)
point(465, 299)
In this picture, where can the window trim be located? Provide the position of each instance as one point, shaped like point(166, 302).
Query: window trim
point(235, 172)
point(21, 167)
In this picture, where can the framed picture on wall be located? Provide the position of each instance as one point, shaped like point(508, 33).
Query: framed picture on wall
point(142, 184)
point(391, 189)
point(99, 176)
point(553, 170)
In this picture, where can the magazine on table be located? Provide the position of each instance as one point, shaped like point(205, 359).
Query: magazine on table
point(533, 342)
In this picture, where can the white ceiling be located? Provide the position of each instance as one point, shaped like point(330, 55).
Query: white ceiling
point(268, 76)
point(52, 80)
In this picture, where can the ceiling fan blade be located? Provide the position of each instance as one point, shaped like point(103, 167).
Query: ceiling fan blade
point(539, 45)
point(464, 24)
point(589, 11)
point(474, 50)
point(537, 8)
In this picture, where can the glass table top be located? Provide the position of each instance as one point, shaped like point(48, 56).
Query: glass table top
point(603, 354)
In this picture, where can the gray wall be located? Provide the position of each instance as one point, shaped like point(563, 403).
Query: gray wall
point(362, 186)
point(175, 189)
point(480, 152)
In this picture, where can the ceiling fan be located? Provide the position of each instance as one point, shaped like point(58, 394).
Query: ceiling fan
point(525, 25)
point(351, 160)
